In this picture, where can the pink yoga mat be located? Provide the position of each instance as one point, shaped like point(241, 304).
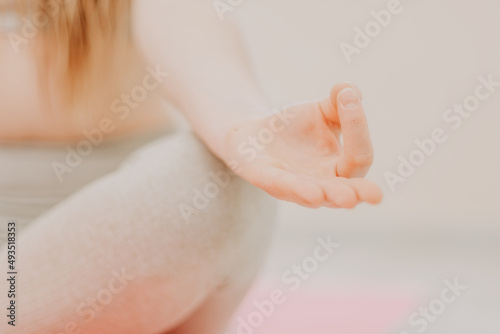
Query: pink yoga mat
point(270, 308)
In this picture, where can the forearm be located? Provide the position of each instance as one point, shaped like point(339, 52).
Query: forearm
point(210, 77)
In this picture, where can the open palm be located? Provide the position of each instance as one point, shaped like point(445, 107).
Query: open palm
point(298, 154)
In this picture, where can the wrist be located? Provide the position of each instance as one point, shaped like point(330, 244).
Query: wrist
point(224, 136)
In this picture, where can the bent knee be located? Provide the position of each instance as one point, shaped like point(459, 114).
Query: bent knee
point(203, 203)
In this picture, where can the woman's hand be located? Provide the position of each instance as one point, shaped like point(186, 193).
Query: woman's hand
point(297, 154)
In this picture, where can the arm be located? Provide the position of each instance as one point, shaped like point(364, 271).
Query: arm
point(210, 77)
point(211, 81)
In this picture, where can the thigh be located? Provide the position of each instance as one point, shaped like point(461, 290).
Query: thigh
point(243, 264)
point(143, 248)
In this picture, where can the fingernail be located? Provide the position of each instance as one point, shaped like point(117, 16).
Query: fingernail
point(349, 98)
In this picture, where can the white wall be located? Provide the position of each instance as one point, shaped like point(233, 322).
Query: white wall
point(444, 221)
point(428, 58)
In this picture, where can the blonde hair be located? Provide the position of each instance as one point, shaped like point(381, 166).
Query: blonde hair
point(80, 37)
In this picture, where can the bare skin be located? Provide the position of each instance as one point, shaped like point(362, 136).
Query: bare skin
point(211, 82)
point(305, 163)
point(26, 117)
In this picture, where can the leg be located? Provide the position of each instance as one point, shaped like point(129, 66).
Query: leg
point(119, 257)
point(213, 315)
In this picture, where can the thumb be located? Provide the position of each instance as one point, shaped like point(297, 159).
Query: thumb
point(358, 151)
point(329, 105)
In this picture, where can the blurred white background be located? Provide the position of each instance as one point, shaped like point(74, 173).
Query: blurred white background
point(444, 221)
